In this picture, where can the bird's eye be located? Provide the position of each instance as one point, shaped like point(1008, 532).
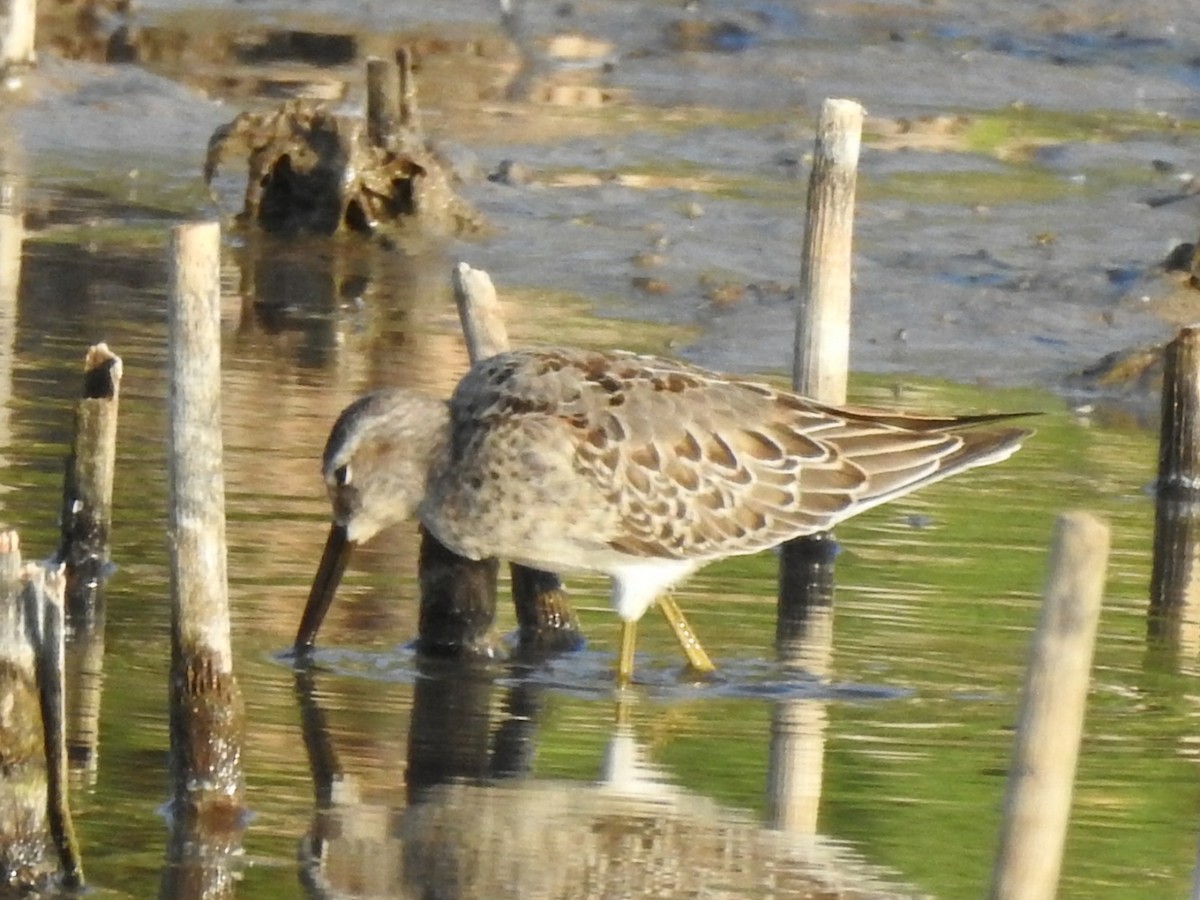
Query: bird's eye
point(342, 475)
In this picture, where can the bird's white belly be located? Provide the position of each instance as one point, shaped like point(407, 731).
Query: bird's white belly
point(637, 585)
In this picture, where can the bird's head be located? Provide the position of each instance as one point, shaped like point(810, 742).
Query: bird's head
point(376, 464)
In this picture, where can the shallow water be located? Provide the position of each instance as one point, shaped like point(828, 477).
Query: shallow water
point(903, 731)
point(1002, 251)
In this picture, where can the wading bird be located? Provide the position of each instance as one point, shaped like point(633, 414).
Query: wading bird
point(641, 468)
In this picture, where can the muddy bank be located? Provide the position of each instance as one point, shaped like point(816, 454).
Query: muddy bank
point(1004, 229)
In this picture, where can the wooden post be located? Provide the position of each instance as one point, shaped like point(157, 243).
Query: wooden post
point(1174, 615)
point(84, 691)
point(1037, 802)
point(207, 712)
point(820, 361)
point(546, 623)
point(821, 358)
point(383, 100)
point(87, 492)
point(479, 312)
point(410, 112)
point(16, 38)
point(196, 481)
point(84, 549)
point(458, 602)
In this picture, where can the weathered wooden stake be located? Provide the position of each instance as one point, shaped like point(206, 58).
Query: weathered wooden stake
point(821, 356)
point(410, 112)
point(383, 100)
point(546, 622)
point(16, 38)
point(1174, 616)
point(207, 713)
point(200, 600)
point(479, 312)
point(458, 602)
point(84, 549)
point(1037, 802)
point(87, 491)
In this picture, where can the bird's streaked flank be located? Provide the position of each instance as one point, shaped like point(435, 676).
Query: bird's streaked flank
point(641, 468)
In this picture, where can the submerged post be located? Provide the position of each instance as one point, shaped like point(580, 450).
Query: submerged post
point(1037, 801)
point(821, 356)
point(458, 602)
point(1174, 614)
point(87, 489)
point(206, 703)
point(546, 623)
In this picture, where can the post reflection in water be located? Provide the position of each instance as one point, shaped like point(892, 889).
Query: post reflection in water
point(12, 239)
point(804, 642)
point(84, 664)
point(473, 820)
point(1174, 622)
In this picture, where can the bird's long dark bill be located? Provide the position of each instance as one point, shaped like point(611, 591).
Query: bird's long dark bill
point(338, 549)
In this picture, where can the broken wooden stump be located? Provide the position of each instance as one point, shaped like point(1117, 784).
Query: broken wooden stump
point(38, 847)
point(84, 551)
point(312, 170)
point(88, 485)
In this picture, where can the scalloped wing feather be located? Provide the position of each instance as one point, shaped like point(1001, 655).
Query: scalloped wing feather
point(654, 458)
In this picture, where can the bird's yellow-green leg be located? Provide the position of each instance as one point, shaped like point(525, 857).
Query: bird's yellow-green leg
point(695, 654)
point(625, 660)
